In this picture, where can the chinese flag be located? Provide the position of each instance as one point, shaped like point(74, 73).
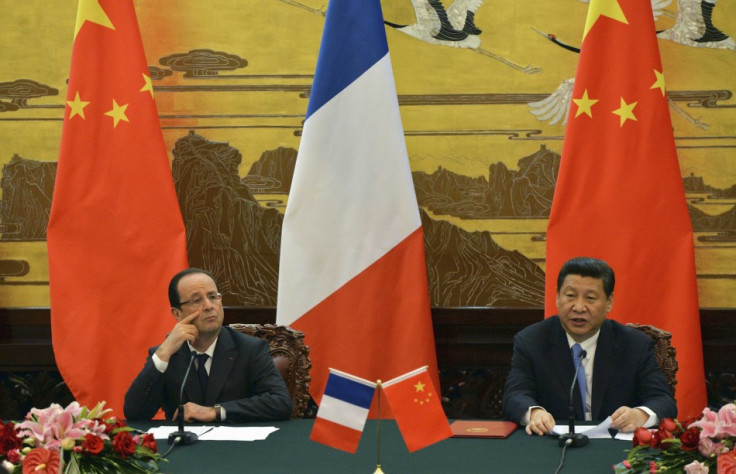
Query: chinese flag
point(115, 235)
point(352, 271)
point(619, 193)
point(417, 408)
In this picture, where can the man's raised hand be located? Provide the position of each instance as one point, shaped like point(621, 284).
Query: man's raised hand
point(184, 331)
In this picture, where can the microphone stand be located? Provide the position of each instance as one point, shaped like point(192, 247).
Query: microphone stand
point(181, 436)
point(575, 440)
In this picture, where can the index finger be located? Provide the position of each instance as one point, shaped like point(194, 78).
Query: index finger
point(191, 317)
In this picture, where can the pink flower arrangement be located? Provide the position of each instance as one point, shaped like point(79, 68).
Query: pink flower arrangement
point(703, 446)
point(75, 439)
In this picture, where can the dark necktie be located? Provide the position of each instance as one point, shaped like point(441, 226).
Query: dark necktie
point(202, 373)
point(576, 350)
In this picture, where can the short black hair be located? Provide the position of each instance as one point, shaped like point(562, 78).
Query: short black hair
point(588, 267)
point(174, 296)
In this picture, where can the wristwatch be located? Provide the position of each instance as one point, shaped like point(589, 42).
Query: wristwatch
point(218, 412)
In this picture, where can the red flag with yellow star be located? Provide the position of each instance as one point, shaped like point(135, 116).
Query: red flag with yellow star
point(417, 408)
point(115, 234)
point(619, 193)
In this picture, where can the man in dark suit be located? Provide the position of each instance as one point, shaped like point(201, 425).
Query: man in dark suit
point(622, 377)
point(235, 381)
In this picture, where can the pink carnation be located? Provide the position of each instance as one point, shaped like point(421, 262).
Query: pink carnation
point(708, 447)
point(696, 467)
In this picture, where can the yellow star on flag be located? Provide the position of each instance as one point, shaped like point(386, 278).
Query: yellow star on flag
point(419, 386)
point(585, 104)
point(609, 8)
point(626, 112)
point(659, 83)
point(90, 10)
point(77, 106)
point(148, 86)
point(117, 113)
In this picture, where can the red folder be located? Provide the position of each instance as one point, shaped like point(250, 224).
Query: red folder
point(482, 429)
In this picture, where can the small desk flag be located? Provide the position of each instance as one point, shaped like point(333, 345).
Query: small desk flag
point(417, 408)
point(343, 411)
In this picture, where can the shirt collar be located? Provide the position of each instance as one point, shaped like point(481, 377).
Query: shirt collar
point(210, 350)
point(587, 345)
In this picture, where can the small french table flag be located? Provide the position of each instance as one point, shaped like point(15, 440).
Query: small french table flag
point(343, 411)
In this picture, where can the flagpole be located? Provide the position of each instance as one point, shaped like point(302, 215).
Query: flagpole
point(378, 427)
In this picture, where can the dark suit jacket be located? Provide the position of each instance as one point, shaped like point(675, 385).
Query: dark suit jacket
point(242, 379)
point(625, 373)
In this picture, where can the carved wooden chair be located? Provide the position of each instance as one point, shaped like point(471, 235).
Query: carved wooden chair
point(663, 351)
point(291, 358)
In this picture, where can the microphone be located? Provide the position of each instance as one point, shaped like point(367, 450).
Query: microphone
point(576, 440)
point(181, 436)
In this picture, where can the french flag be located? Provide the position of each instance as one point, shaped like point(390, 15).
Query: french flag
point(343, 411)
point(352, 271)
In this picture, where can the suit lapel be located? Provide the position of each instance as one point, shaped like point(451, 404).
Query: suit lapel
point(223, 361)
point(607, 358)
point(561, 357)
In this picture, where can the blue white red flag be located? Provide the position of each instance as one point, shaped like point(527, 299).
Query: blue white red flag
point(343, 411)
point(352, 271)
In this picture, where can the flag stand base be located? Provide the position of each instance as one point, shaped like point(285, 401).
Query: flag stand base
point(378, 470)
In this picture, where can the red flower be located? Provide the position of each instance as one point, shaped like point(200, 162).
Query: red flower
point(92, 444)
point(9, 443)
point(656, 441)
point(123, 444)
point(642, 436)
point(41, 461)
point(663, 434)
point(668, 424)
point(149, 442)
point(4, 429)
point(14, 456)
point(690, 439)
point(8, 438)
point(727, 463)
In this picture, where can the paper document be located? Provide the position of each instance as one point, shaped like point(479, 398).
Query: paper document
point(593, 432)
point(218, 433)
point(625, 436)
point(238, 433)
point(162, 432)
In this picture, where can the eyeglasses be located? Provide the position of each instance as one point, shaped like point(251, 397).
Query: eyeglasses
point(198, 300)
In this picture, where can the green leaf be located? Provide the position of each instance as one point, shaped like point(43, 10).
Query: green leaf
point(72, 466)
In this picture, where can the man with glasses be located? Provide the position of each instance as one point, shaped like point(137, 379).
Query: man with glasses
point(232, 376)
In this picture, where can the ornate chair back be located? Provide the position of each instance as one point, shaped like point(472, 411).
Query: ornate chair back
point(291, 358)
point(663, 350)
